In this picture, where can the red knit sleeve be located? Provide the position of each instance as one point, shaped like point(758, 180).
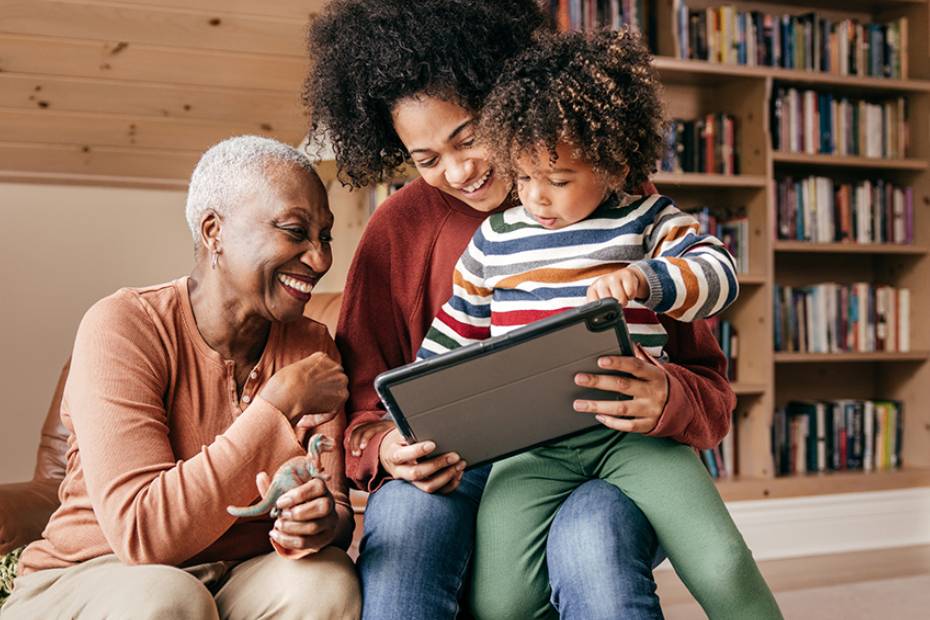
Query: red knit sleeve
point(368, 336)
point(700, 399)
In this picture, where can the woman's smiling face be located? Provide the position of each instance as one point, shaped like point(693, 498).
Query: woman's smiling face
point(276, 246)
point(440, 137)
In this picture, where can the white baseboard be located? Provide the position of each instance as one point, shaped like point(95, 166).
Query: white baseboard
point(825, 524)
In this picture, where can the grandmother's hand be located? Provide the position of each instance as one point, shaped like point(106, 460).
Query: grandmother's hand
point(439, 474)
point(308, 518)
point(647, 385)
point(315, 388)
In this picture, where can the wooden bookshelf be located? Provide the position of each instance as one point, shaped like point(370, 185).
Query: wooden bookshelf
point(693, 179)
point(752, 279)
point(849, 162)
point(822, 358)
point(704, 73)
point(743, 488)
point(807, 247)
point(768, 379)
point(749, 389)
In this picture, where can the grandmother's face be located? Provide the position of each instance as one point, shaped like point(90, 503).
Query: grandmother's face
point(277, 246)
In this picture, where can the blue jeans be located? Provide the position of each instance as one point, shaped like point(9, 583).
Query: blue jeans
point(415, 551)
point(600, 554)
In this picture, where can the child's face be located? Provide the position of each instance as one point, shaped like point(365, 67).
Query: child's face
point(558, 194)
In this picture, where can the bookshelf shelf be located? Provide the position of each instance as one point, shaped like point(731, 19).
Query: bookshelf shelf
point(748, 389)
point(702, 72)
point(694, 179)
point(849, 248)
point(751, 279)
point(849, 162)
point(878, 356)
point(822, 484)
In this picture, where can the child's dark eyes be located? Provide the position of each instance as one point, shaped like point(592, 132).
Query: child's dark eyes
point(467, 144)
point(428, 163)
point(558, 183)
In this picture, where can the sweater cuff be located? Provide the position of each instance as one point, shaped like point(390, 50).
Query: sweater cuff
point(263, 433)
point(652, 279)
point(376, 475)
point(677, 414)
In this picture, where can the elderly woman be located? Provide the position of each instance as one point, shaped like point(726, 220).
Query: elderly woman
point(181, 396)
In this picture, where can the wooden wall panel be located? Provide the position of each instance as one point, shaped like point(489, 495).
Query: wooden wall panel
point(279, 110)
point(113, 60)
point(299, 9)
point(154, 25)
point(51, 127)
point(104, 165)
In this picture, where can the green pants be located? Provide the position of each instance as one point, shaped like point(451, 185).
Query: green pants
point(667, 482)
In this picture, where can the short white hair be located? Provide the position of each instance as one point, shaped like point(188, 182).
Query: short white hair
point(233, 169)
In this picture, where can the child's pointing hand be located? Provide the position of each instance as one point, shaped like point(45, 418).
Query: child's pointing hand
point(623, 285)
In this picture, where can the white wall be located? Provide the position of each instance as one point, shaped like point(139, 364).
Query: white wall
point(61, 249)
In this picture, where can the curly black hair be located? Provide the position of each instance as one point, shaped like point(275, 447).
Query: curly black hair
point(596, 91)
point(366, 55)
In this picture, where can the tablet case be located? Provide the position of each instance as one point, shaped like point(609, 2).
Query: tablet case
point(500, 396)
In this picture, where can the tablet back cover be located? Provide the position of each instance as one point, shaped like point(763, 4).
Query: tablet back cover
point(508, 400)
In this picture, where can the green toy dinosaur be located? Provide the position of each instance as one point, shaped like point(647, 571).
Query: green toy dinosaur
point(290, 475)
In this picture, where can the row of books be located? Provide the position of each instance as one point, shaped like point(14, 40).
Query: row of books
point(706, 145)
point(731, 227)
point(725, 333)
point(807, 121)
point(589, 15)
point(837, 318)
point(822, 210)
point(810, 41)
point(816, 436)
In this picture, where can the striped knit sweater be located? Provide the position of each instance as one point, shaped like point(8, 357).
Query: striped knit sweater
point(514, 272)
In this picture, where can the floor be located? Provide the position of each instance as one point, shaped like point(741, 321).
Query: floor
point(890, 584)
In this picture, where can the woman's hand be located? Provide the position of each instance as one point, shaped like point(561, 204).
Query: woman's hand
point(647, 384)
point(623, 285)
point(308, 518)
point(362, 434)
point(315, 387)
point(440, 474)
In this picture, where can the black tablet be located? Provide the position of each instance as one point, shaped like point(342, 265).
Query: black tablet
point(500, 396)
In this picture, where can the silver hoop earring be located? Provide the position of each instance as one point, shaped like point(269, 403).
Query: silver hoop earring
point(214, 259)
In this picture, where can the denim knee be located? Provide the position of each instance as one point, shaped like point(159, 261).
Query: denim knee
point(401, 516)
point(597, 518)
point(600, 556)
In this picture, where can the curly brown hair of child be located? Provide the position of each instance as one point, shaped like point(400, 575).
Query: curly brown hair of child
point(451, 49)
point(596, 91)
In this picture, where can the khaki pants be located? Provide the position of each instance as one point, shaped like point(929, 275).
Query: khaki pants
point(321, 586)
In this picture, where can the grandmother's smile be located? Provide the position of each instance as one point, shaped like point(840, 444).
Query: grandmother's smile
point(299, 287)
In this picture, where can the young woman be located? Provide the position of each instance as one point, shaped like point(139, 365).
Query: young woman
point(393, 81)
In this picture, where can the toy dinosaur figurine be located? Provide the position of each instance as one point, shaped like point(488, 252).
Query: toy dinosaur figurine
point(290, 475)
